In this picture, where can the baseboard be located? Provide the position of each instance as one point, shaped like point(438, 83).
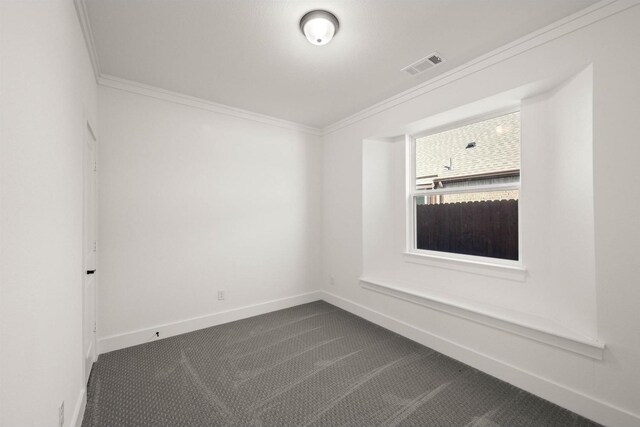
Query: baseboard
point(573, 400)
point(141, 336)
point(78, 411)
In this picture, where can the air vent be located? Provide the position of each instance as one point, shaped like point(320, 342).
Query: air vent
point(435, 59)
point(424, 64)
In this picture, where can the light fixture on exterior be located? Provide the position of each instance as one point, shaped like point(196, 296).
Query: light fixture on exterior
point(319, 26)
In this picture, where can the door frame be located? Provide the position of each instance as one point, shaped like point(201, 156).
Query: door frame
point(89, 132)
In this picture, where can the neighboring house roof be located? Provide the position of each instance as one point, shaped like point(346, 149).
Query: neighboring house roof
point(445, 155)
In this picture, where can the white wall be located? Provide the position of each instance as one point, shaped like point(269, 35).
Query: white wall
point(48, 91)
point(192, 201)
point(611, 213)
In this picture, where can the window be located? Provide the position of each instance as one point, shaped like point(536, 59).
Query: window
point(465, 188)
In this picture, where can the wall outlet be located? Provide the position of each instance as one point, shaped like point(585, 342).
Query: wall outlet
point(221, 294)
point(332, 281)
point(61, 415)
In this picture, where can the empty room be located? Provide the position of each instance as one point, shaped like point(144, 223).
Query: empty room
point(319, 213)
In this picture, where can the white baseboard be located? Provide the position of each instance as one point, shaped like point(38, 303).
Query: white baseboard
point(78, 411)
point(141, 336)
point(573, 400)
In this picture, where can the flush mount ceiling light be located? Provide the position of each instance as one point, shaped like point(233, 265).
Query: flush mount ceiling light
point(319, 26)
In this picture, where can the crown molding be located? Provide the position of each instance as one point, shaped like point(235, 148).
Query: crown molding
point(190, 101)
point(166, 95)
point(85, 25)
point(569, 24)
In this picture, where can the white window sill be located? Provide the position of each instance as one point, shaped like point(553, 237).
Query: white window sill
point(515, 272)
point(531, 327)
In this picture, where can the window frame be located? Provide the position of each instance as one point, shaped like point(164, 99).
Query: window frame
point(413, 254)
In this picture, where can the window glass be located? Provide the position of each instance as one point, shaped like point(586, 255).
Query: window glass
point(467, 189)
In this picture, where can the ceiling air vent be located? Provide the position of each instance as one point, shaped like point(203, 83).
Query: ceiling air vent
point(424, 64)
point(435, 59)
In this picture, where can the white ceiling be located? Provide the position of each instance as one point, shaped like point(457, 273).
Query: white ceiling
point(250, 54)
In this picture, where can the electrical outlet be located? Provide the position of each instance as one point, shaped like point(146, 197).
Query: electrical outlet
point(332, 281)
point(221, 294)
point(61, 415)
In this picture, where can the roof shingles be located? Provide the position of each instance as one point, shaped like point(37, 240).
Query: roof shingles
point(497, 149)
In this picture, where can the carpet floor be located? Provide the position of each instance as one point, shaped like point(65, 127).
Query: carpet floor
point(313, 364)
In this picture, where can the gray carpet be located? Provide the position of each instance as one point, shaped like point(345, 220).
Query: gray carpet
point(313, 364)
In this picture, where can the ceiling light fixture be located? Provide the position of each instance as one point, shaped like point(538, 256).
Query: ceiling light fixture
point(319, 26)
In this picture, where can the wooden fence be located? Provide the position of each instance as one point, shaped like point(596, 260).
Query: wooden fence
point(488, 228)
